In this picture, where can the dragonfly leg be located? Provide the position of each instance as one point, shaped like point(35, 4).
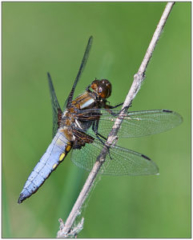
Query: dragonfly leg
point(100, 136)
point(95, 126)
point(118, 105)
point(108, 107)
point(130, 105)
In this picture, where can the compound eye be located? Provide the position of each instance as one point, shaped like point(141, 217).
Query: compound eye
point(105, 88)
point(106, 82)
point(94, 85)
point(102, 87)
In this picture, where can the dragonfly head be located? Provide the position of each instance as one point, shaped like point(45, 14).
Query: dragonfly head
point(102, 87)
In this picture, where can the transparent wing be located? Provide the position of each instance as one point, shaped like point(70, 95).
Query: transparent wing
point(56, 110)
point(122, 162)
point(144, 123)
point(139, 123)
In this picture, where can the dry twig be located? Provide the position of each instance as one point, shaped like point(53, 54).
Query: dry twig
point(66, 229)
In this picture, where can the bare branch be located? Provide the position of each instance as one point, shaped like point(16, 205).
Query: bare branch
point(66, 229)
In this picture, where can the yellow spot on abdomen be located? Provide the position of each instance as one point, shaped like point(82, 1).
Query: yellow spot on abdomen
point(54, 166)
point(68, 148)
point(62, 156)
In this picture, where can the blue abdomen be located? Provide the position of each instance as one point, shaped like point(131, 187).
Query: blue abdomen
point(54, 154)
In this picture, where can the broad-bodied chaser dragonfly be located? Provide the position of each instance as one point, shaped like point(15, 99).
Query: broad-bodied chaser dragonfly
point(84, 125)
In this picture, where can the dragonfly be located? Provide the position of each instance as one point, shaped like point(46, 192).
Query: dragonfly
point(83, 126)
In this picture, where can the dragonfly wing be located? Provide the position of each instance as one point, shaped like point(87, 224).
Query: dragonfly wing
point(119, 161)
point(122, 161)
point(56, 110)
point(141, 123)
point(81, 69)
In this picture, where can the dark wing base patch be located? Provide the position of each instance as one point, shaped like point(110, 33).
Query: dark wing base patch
point(81, 139)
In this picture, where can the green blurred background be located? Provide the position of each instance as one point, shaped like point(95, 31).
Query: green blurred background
point(41, 37)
